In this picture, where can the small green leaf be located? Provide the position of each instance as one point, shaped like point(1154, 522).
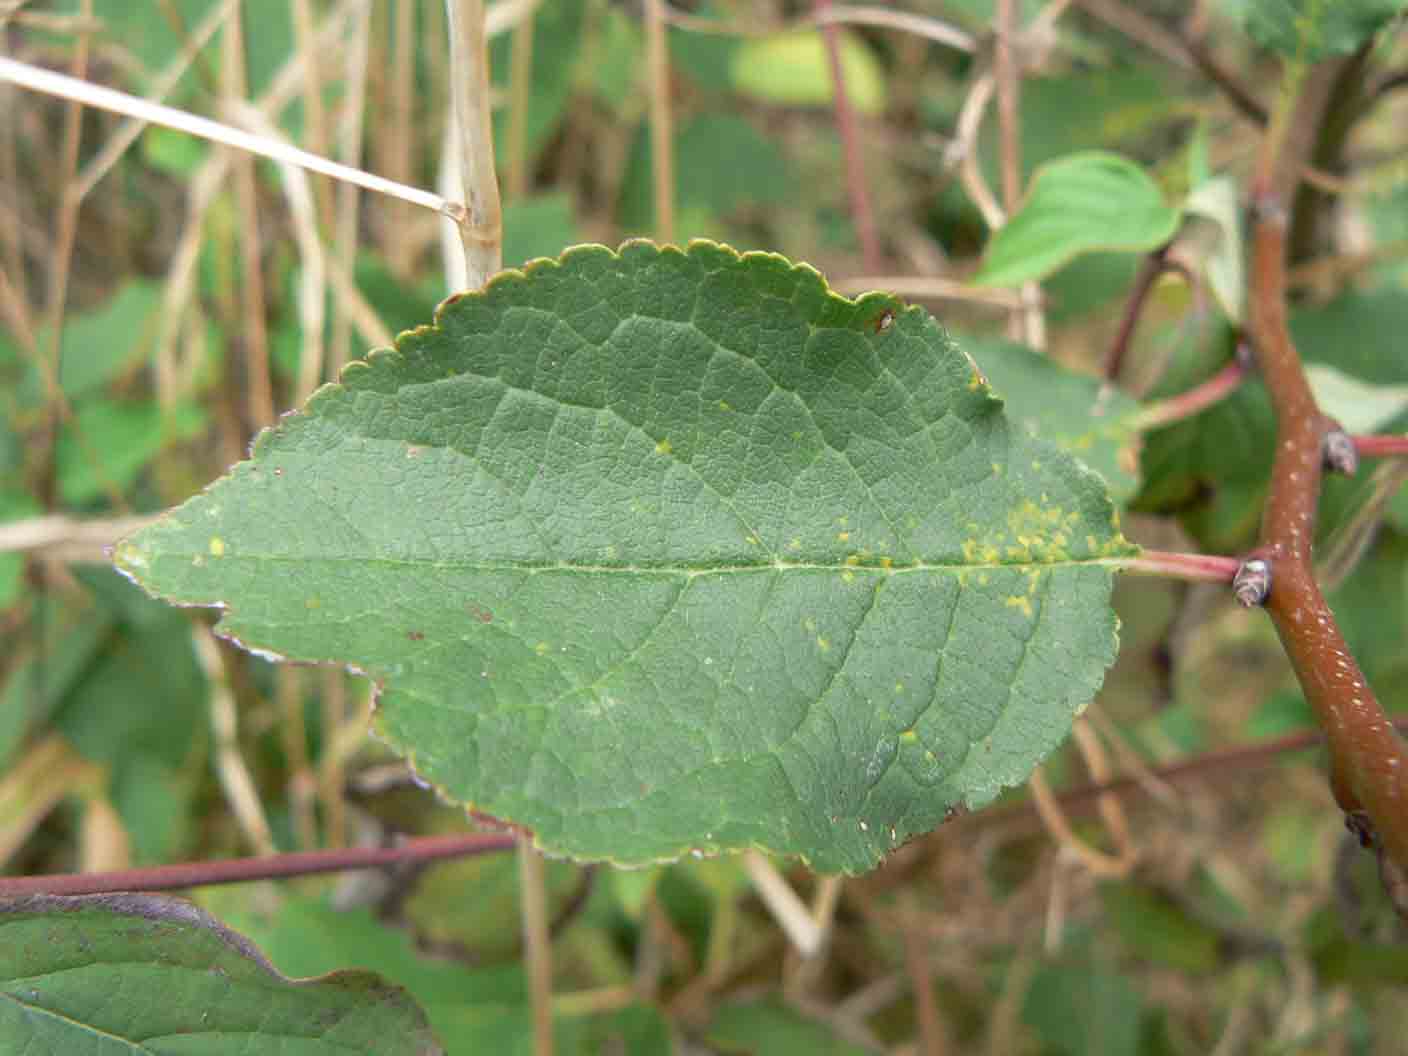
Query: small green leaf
point(150, 974)
point(112, 441)
point(177, 153)
point(1216, 199)
point(792, 69)
point(659, 550)
point(1359, 406)
point(101, 344)
point(1089, 201)
point(1156, 929)
point(1311, 30)
point(1081, 1005)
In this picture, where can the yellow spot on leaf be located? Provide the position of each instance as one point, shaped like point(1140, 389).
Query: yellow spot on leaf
point(542, 648)
point(843, 537)
point(909, 737)
point(217, 546)
point(663, 447)
point(824, 644)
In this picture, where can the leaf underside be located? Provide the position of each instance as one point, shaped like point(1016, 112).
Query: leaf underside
point(658, 550)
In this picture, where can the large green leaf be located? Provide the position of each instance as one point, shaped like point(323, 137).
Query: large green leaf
point(147, 974)
point(1088, 201)
point(670, 549)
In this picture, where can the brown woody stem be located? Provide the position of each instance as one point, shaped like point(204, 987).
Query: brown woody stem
point(861, 213)
point(1151, 267)
point(1366, 754)
point(243, 870)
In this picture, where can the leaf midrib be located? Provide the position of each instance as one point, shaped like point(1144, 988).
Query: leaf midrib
point(1115, 563)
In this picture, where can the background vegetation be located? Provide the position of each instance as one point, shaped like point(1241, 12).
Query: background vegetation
point(154, 320)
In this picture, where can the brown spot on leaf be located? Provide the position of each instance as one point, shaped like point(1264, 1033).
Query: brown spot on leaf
point(883, 321)
point(480, 613)
point(416, 636)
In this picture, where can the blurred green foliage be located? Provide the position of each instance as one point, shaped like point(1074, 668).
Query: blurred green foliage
point(1245, 903)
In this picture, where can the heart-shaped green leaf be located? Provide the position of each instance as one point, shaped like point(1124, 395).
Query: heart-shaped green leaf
point(149, 974)
point(1093, 200)
point(668, 549)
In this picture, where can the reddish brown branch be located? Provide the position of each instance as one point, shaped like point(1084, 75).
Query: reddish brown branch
point(1155, 264)
point(243, 870)
point(861, 213)
point(1366, 754)
point(1237, 93)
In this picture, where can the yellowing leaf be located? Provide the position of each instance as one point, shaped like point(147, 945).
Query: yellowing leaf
point(792, 69)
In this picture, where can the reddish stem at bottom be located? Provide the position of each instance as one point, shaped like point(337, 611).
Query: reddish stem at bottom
point(243, 870)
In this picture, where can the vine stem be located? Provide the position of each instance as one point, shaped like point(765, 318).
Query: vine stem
point(861, 212)
point(272, 867)
point(1154, 264)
